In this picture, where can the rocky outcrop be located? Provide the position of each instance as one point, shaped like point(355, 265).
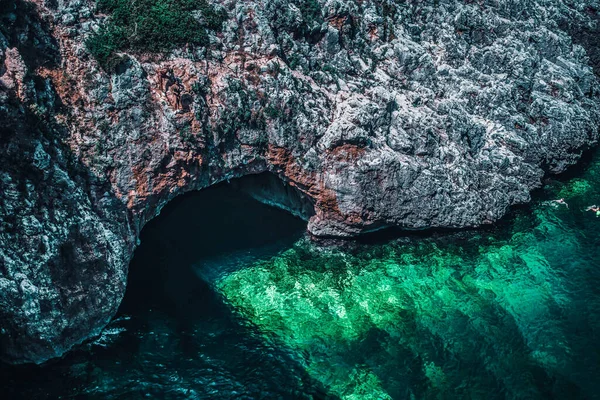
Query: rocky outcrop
point(416, 114)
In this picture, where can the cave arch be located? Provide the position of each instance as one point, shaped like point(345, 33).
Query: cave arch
point(172, 321)
point(256, 211)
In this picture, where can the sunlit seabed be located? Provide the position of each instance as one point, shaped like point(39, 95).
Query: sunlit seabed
point(512, 312)
point(516, 313)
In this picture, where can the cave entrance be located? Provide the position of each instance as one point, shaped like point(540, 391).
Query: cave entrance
point(203, 234)
point(175, 336)
point(177, 331)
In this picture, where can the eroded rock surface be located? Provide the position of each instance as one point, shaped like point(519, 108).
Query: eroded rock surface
point(417, 114)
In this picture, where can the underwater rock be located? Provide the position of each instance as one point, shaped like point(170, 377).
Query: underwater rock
point(418, 115)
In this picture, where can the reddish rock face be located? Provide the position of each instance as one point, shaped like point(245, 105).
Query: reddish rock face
point(435, 114)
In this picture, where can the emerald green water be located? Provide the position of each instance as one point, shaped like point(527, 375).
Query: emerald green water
point(509, 313)
point(228, 299)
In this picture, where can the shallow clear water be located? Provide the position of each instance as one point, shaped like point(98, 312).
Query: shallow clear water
point(227, 299)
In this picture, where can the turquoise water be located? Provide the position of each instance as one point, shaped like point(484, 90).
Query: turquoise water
point(228, 299)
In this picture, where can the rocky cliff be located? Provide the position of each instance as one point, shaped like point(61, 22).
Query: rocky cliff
point(379, 113)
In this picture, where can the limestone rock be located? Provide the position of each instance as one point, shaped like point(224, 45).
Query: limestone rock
point(378, 113)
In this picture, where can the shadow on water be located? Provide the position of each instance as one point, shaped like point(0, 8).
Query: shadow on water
point(206, 230)
point(174, 335)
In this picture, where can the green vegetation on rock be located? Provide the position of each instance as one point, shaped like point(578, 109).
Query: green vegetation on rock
point(152, 25)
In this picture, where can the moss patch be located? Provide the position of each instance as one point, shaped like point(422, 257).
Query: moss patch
point(152, 25)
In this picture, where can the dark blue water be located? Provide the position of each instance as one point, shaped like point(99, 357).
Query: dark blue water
point(228, 299)
point(174, 336)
